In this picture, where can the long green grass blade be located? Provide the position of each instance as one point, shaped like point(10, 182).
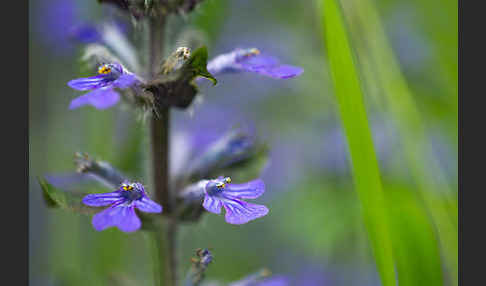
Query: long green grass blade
point(352, 111)
point(399, 100)
point(415, 246)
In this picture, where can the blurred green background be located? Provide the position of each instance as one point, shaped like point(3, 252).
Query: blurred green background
point(405, 61)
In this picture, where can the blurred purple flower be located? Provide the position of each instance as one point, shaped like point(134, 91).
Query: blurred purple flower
point(58, 22)
point(85, 33)
point(50, 20)
point(121, 212)
point(250, 60)
point(103, 95)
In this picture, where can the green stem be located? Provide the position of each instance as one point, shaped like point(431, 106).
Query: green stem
point(159, 134)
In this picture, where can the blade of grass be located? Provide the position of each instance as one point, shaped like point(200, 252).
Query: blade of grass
point(352, 111)
point(399, 100)
point(415, 245)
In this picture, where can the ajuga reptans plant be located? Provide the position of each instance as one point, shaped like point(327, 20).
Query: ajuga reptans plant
point(146, 82)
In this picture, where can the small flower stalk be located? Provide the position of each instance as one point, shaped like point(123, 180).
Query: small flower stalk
point(198, 268)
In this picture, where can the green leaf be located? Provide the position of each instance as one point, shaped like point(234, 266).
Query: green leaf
point(70, 201)
point(366, 174)
point(197, 64)
point(50, 203)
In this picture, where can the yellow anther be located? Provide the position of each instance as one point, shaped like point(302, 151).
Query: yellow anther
point(228, 180)
point(266, 272)
point(220, 185)
point(104, 70)
point(254, 51)
point(127, 187)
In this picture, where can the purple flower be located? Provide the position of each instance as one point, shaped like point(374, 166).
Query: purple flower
point(103, 95)
point(50, 19)
point(220, 192)
point(122, 202)
point(85, 33)
point(251, 60)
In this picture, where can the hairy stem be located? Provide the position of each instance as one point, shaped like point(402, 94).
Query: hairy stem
point(159, 129)
point(159, 134)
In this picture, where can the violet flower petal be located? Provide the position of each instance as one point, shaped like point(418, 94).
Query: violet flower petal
point(125, 81)
point(258, 61)
point(250, 190)
point(101, 200)
point(281, 72)
point(100, 98)
point(240, 212)
point(212, 204)
point(269, 66)
point(147, 205)
point(121, 216)
point(89, 83)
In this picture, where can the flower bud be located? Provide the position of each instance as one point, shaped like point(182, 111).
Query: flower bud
point(233, 147)
point(101, 171)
